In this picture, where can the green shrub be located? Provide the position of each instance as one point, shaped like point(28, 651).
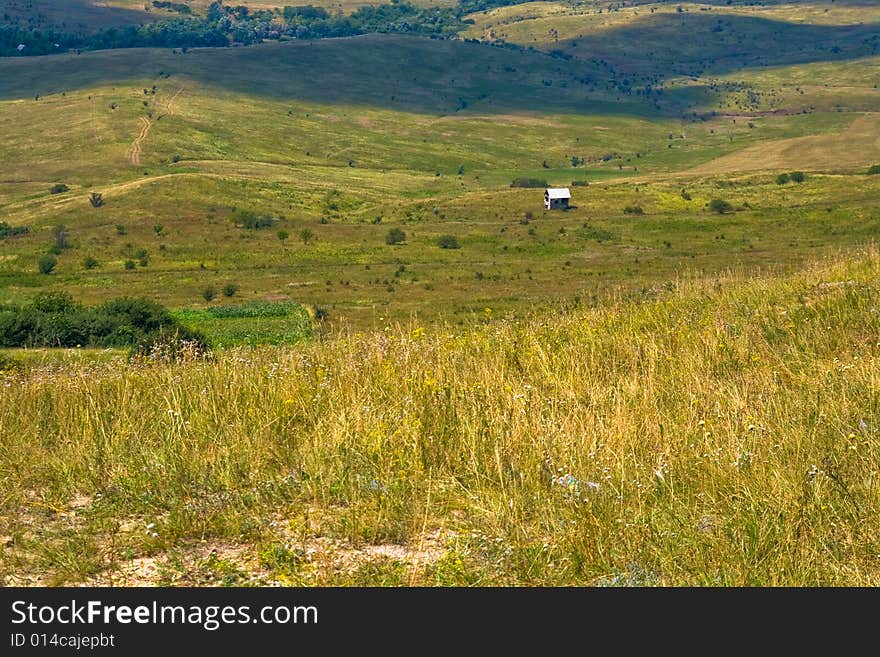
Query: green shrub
point(89, 262)
point(53, 319)
point(797, 176)
point(782, 179)
point(720, 206)
point(874, 169)
point(209, 293)
point(47, 263)
point(447, 242)
point(11, 231)
point(129, 264)
point(230, 289)
point(251, 221)
point(395, 236)
point(59, 188)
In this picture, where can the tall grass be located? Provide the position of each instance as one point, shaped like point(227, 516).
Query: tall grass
point(724, 433)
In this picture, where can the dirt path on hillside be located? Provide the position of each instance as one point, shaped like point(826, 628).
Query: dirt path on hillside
point(134, 155)
point(137, 146)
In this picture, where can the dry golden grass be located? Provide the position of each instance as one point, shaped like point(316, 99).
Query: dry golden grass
point(722, 433)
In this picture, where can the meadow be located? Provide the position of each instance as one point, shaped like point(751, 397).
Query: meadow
point(419, 376)
point(721, 432)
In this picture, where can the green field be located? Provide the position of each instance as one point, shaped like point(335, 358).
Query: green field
point(496, 412)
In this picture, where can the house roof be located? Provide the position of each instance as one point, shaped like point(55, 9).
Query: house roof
point(557, 192)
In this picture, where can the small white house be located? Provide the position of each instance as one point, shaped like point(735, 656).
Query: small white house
point(557, 198)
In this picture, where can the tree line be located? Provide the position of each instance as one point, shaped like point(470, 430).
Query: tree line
point(225, 25)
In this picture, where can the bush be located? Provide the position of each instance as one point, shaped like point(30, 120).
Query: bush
point(782, 179)
point(96, 199)
point(685, 194)
point(797, 176)
point(874, 169)
point(306, 235)
point(11, 231)
point(209, 293)
point(59, 188)
point(720, 206)
point(8, 365)
point(230, 289)
point(129, 264)
point(447, 242)
point(249, 220)
point(283, 235)
point(47, 263)
point(121, 229)
point(633, 209)
point(528, 182)
point(55, 320)
point(89, 262)
point(395, 236)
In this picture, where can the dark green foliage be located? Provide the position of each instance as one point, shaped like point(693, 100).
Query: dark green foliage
point(230, 289)
point(11, 231)
point(53, 319)
point(395, 236)
point(306, 235)
point(121, 229)
point(782, 179)
point(47, 263)
point(209, 293)
point(447, 242)
point(252, 221)
point(720, 206)
point(797, 176)
point(129, 264)
point(89, 262)
point(874, 169)
point(96, 199)
point(59, 188)
point(179, 7)
point(9, 365)
point(528, 182)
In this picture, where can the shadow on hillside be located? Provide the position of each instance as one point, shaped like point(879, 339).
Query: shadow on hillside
point(72, 15)
point(445, 77)
point(663, 45)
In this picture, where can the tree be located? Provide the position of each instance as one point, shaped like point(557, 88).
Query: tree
point(720, 206)
point(47, 263)
point(96, 199)
point(395, 236)
point(59, 236)
point(447, 242)
point(798, 176)
point(283, 235)
point(306, 235)
point(874, 169)
point(782, 179)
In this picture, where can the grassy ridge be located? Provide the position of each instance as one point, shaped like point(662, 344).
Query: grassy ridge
point(724, 433)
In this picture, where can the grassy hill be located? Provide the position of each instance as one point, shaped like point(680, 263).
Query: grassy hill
point(419, 375)
point(431, 148)
point(722, 432)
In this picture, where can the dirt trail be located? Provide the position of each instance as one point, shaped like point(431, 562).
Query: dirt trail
point(134, 154)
